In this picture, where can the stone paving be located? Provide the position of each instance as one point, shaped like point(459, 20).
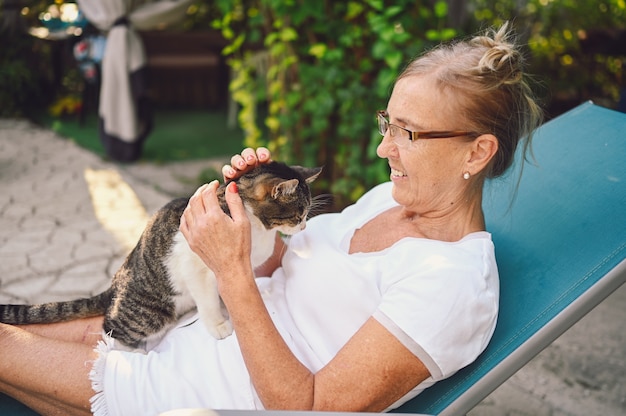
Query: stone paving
point(68, 218)
point(54, 240)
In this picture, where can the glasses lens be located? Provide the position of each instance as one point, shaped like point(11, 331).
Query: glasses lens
point(382, 124)
point(399, 136)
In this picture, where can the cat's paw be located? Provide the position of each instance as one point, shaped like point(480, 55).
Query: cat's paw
point(222, 330)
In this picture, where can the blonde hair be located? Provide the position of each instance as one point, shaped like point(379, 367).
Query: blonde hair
point(485, 77)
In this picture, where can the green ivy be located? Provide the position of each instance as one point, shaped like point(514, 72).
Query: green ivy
point(21, 86)
point(554, 30)
point(330, 66)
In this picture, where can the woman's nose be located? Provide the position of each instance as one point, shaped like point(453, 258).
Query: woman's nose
point(386, 147)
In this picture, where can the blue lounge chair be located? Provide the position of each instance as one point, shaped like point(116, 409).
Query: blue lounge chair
point(560, 247)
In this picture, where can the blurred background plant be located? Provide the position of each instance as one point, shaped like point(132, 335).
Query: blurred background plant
point(306, 77)
point(576, 48)
point(25, 79)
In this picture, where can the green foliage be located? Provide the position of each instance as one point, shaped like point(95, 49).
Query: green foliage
point(319, 70)
point(554, 30)
point(20, 86)
point(25, 76)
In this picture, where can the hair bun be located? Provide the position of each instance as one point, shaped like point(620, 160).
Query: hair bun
point(502, 59)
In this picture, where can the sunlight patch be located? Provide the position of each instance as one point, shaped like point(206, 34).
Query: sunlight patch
point(116, 206)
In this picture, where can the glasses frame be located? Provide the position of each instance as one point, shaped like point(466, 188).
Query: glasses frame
point(383, 123)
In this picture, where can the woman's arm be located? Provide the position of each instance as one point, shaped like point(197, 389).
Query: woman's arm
point(371, 371)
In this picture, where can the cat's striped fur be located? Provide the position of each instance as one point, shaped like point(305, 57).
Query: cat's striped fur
point(162, 279)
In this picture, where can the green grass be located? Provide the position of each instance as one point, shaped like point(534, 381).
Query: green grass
point(177, 135)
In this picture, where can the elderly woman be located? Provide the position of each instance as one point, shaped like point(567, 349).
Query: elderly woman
point(361, 311)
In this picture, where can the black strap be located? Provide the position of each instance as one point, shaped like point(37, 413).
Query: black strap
point(121, 21)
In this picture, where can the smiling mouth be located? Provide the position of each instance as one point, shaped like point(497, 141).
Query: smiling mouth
point(397, 173)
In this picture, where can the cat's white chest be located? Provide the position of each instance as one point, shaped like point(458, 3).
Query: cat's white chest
point(195, 283)
point(263, 241)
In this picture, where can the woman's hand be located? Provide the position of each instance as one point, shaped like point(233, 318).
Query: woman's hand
point(244, 162)
point(222, 242)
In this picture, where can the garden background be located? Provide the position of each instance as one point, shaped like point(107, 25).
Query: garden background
point(306, 77)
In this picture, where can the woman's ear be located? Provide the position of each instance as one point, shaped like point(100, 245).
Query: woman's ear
point(483, 149)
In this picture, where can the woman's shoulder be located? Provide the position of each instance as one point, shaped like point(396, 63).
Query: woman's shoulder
point(379, 192)
point(378, 196)
point(465, 262)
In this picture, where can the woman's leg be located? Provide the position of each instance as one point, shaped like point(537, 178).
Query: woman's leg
point(85, 331)
point(49, 375)
point(39, 405)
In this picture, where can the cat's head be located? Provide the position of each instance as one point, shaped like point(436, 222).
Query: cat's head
point(278, 195)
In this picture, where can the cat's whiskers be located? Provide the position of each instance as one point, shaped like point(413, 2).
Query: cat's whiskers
point(320, 204)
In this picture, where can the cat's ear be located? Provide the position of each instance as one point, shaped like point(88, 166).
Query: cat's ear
point(309, 174)
point(285, 188)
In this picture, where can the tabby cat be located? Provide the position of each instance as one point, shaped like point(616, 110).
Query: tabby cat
point(162, 279)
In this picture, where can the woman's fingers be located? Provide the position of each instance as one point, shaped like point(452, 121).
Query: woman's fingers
point(214, 236)
point(244, 162)
point(245, 159)
point(228, 172)
point(263, 155)
point(195, 209)
point(235, 204)
point(207, 199)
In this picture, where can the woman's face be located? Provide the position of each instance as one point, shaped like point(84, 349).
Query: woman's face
point(427, 173)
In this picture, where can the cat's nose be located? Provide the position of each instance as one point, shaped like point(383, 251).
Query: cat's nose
point(302, 226)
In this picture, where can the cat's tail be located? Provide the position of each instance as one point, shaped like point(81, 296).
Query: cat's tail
point(56, 311)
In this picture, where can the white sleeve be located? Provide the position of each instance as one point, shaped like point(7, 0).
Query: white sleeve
point(444, 312)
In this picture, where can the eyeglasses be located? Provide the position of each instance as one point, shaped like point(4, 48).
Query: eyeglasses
point(404, 137)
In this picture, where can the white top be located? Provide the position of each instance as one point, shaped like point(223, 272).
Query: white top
point(440, 299)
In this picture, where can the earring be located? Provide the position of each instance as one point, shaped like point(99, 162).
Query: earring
point(466, 175)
